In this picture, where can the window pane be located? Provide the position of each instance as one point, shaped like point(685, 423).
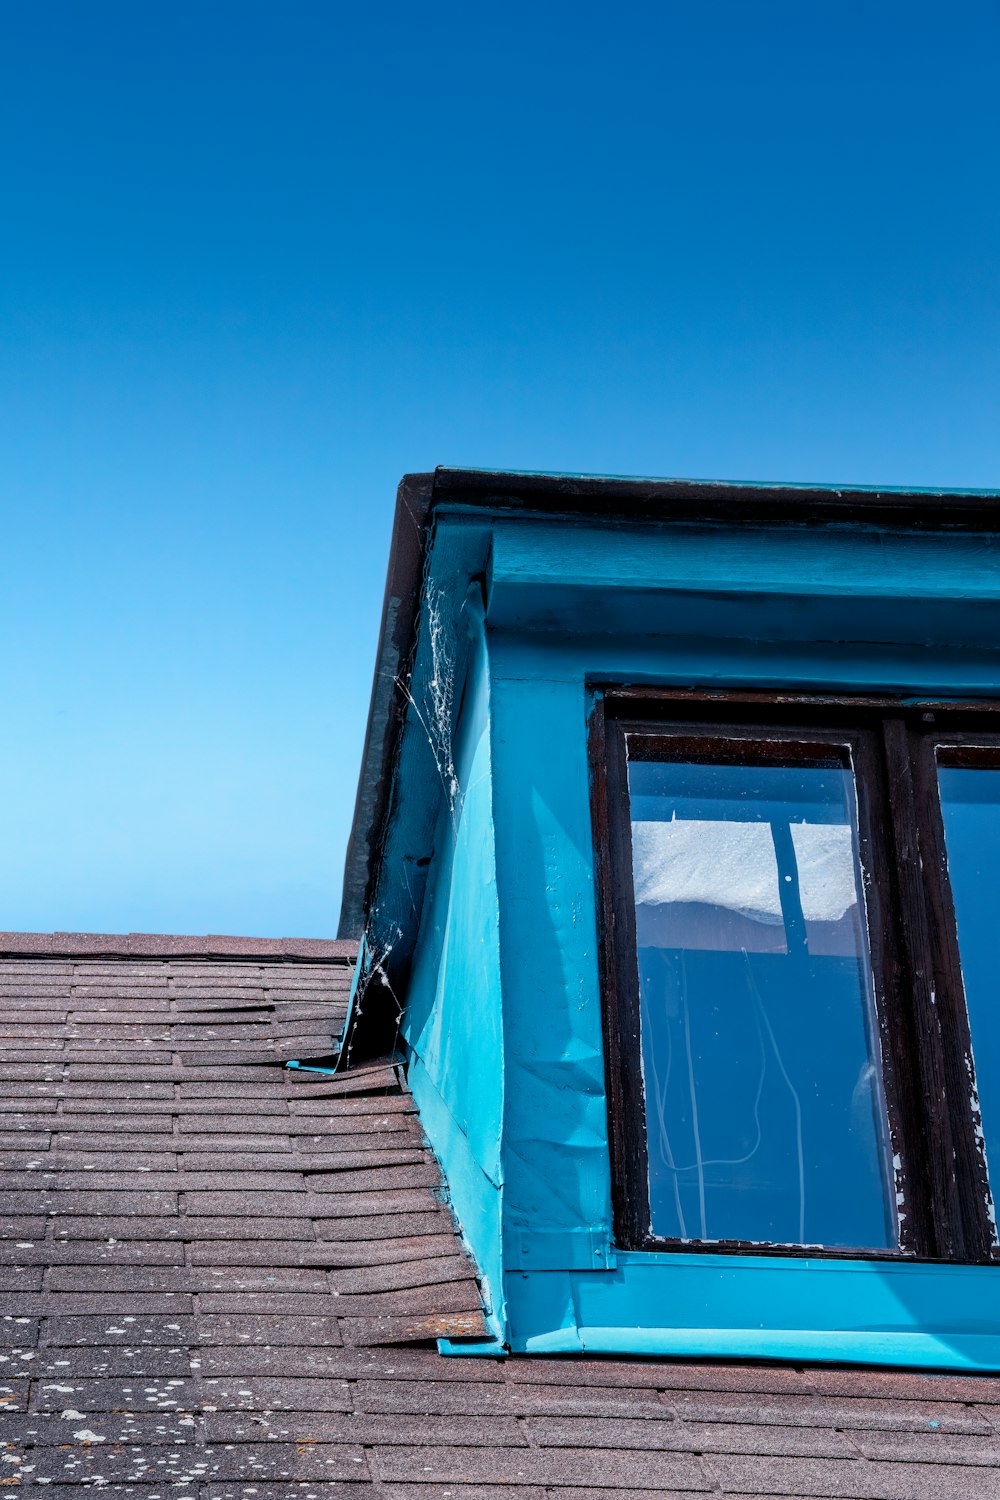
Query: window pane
point(970, 803)
point(764, 1108)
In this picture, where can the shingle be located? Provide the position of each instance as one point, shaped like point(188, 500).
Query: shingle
point(135, 1054)
point(320, 1490)
point(23, 1029)
point(477, 1394)
point(17, 1279)
point(147, 1180)
point(243, 1145)
point(875, 1414)
point(171, 1393)
point(262, 1393)
point(311, 1246)
point(143, 1107)
point(236, 1228)
point(289, 1461)
point(100, 1146)
point(664, 1375)
point(163, 1330)
point(857, 1478)
point(22, 1226)
point(94, 1362)
point(115, 1304)
point(50, 1430)
point(229, 1124)
point(18, 1331)
point(425, 1300)
point(904, 1385)
point(321, 1099)
point(417, 1328)
point(394, 1276)
point(99, 1226)
point(248, 1204)
point(14, 1045)
point(116, 1092)
point(271, 1158)
point(266, 1088)
point(282, 1303)
point(930, 1447)
point(556, 1466)
point(67, 1160)
point(368, 1176)
point(41, 1200)
point(433, 1222)
point(268, 1329)
point(369, 1206)
point(305, 1425)
point(359, 1254)
point(91, 1253)
point(419, 1491)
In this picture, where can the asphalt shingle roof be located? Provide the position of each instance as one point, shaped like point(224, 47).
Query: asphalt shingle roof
point(222, 1278)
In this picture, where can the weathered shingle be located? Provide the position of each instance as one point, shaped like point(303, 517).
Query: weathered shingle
point(224, 1279)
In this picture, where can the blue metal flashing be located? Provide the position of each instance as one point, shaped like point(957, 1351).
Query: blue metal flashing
point(765, 1307)
point(452, 1029)
point(581, 1249)
point(474, 1348)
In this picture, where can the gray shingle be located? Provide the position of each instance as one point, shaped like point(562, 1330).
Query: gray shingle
point(240, 1272)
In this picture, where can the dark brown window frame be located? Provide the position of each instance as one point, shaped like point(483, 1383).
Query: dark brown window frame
point(919, 996)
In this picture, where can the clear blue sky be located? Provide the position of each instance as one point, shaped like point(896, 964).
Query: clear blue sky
point(257, 260)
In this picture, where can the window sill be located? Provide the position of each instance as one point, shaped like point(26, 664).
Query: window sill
point(702, 1306)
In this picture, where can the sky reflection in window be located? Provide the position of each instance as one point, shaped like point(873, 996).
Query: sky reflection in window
point(970, 805)
point(764, 1108)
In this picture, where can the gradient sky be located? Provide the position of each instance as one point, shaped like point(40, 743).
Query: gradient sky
point(258, 260)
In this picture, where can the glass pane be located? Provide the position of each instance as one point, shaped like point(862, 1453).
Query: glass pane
point(970, 803)
point(764, 1108)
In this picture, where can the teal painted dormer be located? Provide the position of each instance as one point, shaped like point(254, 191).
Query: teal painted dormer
point(675, 865)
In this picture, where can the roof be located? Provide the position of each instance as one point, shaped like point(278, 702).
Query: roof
point(608, 499)
point(223, 1278)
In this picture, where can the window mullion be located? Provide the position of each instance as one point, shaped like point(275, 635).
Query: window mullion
point(902, 1082)
point(934, 1074)
point(952, 1016)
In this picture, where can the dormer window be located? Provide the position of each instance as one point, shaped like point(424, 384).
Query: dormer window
point(788, 1052)
point(676, 871)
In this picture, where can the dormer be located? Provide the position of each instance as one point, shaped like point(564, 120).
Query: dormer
point(675, 867)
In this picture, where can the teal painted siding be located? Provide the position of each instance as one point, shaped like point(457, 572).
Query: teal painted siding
point(452, 1023)
point(503, 1006)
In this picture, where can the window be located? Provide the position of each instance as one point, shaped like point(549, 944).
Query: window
point(800, 913)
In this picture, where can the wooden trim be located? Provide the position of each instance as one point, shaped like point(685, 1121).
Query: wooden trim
point(951, 1008)
point(677, 703)
point(930, 1065)
point(619, 983)
point(919, 997)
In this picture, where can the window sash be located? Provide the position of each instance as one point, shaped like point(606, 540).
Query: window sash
point(919, 999)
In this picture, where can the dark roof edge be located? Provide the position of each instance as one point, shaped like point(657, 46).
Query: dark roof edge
point(388, 701)
point(673, 499)
point(166, 945)
point(612, 497)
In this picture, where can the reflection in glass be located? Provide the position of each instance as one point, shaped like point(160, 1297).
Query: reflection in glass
point(764, 1109)
point(970, 805)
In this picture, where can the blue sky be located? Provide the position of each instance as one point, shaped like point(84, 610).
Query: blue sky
point(258, 260)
